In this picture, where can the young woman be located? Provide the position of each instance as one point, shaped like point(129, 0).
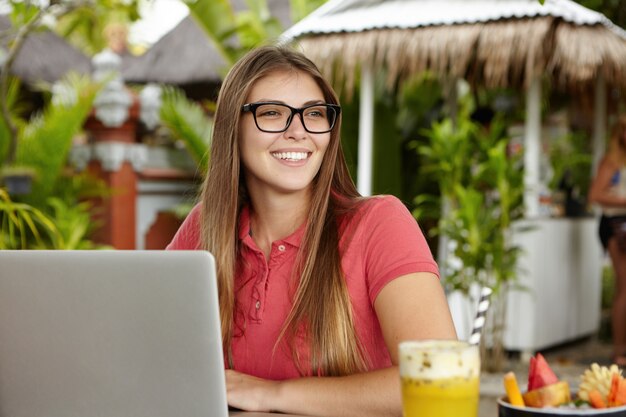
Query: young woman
point(609, 190)
point(317, 284)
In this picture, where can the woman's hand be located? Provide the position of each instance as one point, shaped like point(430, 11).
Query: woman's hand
point(250, 393)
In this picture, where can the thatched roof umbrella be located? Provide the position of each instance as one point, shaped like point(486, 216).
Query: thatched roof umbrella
point(44, 56)
point(496, 43)
point(185, 56)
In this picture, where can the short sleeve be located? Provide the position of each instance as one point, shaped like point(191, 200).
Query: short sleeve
point(188, 235)
point(393, 244)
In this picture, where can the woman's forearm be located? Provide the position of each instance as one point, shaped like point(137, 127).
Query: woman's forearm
point(375, 394)
point(609, 200)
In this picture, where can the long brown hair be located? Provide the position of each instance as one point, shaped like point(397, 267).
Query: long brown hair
point(327, 326)
point(617, 142)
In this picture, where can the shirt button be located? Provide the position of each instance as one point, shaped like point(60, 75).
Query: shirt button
point(281, 248)
point(258, 305)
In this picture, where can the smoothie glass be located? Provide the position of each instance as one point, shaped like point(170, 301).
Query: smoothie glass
point(440, 378)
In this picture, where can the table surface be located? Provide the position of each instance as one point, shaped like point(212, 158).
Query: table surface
point(257, 414)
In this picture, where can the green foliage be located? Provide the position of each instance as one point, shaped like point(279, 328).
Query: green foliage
point(447, 154)
point(302, 8)
point(256, 25)
point(63, 221)
point(217, 18)
point(235, 33)
point(419, 100)
point(482, 187)
point(188, 122)
point(73, 222)
point(45, 141)
point(387, 147)
point(420, 103)
point(71, 209)
point(16, 108)
point(84, 26)
point(571, 159)
point(22, 12)
point(81, 22)
point(615, 10)
point(23, 226)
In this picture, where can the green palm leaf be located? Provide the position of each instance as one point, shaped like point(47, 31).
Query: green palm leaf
point(189, 123)
point(47, 139)
point(20, 221)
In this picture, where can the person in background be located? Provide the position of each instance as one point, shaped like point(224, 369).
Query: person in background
point(317, 285)
point(608, 189)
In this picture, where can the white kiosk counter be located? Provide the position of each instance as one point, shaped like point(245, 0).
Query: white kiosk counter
point(561, 276)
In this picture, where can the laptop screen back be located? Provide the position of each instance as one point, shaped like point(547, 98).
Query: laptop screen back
point(110, 333)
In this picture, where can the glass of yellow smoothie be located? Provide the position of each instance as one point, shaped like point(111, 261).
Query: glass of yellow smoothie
point(440, 378)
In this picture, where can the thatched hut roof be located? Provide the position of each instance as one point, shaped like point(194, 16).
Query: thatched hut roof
point(44, 56)
point(186, 55)
point(496, 43)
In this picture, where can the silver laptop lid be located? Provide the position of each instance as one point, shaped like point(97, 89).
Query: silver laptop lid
point(110, 333)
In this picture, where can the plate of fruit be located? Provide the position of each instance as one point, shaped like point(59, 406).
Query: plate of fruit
point(601, 392)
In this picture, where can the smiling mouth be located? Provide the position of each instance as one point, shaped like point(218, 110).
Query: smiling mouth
point(290, 156)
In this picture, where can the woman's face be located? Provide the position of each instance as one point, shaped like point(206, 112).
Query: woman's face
point(285, 162)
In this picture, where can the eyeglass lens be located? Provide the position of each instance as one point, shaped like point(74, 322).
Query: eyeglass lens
point(276, 117)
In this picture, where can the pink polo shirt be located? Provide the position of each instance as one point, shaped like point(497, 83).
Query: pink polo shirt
point(382, 242)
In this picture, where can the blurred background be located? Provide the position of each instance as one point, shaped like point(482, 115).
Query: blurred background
point(486, 118)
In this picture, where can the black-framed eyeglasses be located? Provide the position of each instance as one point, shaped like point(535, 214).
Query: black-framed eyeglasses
point(276, 117)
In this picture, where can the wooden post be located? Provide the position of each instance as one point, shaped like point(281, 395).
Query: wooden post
point(115, 158)
point(116, 214)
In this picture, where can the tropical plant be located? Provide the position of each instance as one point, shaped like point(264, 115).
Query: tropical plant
point(71, 208)
point(302, 8)
point(21, 225)
point(85, 24)
point(235, 33)
point(571, 159)
point(14, 106)
point(447, 154)
point(64, 222)
point(188, 122)
point(482, 186)
point(74, 224)
point(45, 141)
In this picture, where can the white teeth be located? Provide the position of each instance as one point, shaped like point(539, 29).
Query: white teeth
point(290, 156)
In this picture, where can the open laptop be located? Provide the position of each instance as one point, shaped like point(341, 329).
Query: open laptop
point(110, 333)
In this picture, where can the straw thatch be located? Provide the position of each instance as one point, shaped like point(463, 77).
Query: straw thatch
point(504, 52)
point(44, 56)
point(495, 54)
point(185, 55)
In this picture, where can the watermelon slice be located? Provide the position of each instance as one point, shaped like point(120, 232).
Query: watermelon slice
point(531, 373)
point(539, 373)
